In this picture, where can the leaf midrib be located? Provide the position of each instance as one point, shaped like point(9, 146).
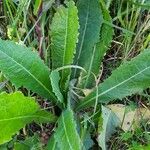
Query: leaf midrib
point(23, 117)
point(38, 81)
point(66, 38)
point(63, 120)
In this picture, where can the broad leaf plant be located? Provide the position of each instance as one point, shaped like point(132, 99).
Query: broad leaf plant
point(80, 37)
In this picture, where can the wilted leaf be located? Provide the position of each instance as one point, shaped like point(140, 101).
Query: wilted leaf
point(130, 117)
point(126, 118)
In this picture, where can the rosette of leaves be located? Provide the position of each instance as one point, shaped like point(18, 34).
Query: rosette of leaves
point(79, 37)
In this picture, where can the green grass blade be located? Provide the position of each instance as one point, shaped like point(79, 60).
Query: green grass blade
point(37, 6)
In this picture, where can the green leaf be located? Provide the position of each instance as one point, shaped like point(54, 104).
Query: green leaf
point(106, 32)
point(52, 144)
point(16, 111)
point(110, 122)
point(3, 147)
point(24, 68)
point(66, 134)
point(125, 136)
point(54, 76)
point(90, 18)
point(128, 79)
point(100, 48)
point(37, 6)
point(31, 143)
point(87, 141)
point(64, 34)
point(138, 146)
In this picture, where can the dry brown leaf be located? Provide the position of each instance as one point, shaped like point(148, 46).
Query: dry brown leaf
point(128, 118)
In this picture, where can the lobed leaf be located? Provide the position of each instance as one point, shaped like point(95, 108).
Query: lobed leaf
point(24, 68)
point(16, 111)
point(64, 34)
point(128, 79)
